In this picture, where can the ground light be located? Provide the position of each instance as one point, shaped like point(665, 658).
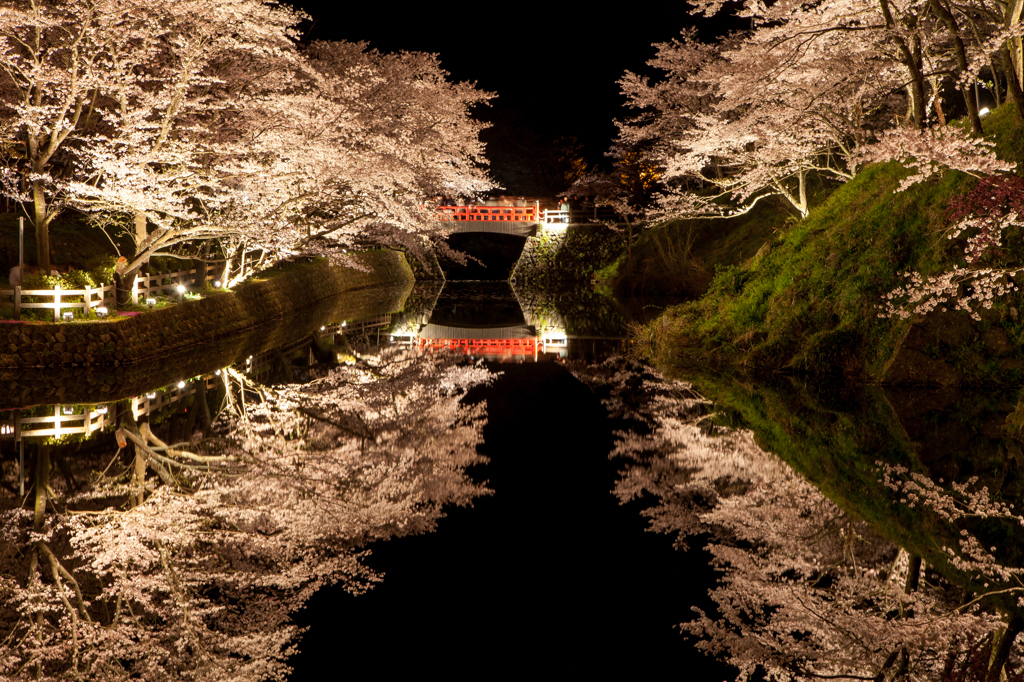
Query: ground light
point(101, 311)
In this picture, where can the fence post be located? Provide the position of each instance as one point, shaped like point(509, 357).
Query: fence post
point(88, 300)
point(135, 289)
point(17, 302)
point(56, 303)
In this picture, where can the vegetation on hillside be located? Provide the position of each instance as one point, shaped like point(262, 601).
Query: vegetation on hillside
point(810, 300)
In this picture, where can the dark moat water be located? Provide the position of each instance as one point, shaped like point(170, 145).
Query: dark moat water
point(361, 477)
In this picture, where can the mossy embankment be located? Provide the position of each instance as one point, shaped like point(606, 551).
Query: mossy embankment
point(809, 299)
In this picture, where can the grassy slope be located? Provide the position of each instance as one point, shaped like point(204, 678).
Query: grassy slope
point(811, 304)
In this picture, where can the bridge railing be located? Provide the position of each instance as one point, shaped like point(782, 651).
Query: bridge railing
point(526, 214)
point(593, 214)
point(519, 214)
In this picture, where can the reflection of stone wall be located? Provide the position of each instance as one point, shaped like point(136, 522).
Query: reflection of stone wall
point(949, 349)
point(567, 256)
point(27, 386)
point(159, 333)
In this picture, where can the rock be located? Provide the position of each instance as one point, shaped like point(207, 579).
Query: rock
point(996, 342)
point(912, 367)
point(918, 339)
point(953, 327)
point(1011, 364)
point(60, 337)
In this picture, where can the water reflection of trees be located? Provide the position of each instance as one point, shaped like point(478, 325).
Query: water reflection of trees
point(170, 560)
point(809, 590)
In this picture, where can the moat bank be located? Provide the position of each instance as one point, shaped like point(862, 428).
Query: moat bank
point(167, 331)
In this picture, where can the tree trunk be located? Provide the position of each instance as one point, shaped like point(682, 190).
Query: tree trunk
point(42, 226)
point(42, 484)
point(913, 574)
point(970, 99)
point(1001, 648)
point(1013, 86)
point(139, 478)
point(141, 233)
point(1015, 46)
point(912, 59)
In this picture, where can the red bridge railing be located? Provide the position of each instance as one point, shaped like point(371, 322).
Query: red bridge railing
point(519, 214)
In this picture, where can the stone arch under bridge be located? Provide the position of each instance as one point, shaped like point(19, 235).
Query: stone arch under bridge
point(545, 232)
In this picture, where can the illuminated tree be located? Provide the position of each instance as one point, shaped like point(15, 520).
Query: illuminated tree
point(190, 121)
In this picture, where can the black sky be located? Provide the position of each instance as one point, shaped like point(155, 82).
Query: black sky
point(554, 66)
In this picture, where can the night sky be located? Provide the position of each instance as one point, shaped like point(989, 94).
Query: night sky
point(554, 67)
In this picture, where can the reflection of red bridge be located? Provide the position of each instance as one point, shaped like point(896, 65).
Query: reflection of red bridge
point(496, 342)
point(530, 346)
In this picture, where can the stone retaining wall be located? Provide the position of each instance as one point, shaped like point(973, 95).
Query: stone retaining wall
point(162, 332)
point(567, 257)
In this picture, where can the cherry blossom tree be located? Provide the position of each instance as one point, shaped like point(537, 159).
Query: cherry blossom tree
point(358, 152)
point(983, 215)
point(99, 92)
point(183, 122)
point(800, 94)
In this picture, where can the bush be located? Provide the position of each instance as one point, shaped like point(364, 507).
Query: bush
point(73, 280)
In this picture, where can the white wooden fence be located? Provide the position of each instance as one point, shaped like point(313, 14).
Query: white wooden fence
point(92, 297)
point(144, 286)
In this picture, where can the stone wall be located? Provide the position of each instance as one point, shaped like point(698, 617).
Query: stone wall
point(165, 331)
point(567, 256)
